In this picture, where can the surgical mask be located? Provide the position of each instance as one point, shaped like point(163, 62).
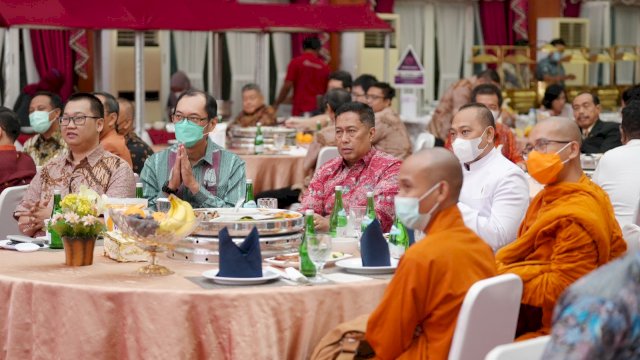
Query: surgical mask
point(545, 168)
point(556, 56)
point(39, 121)
point(496, 114)
point(408, 210)
point(467, 149)
point(188, 133)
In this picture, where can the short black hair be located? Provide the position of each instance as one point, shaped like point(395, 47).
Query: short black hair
point(251, 86)
point(210, 105)
point(631, 119)
point(9, 123)
point(54, 99)
point(387, 90)
point(364, 111)
point(558, 41)
point(486, 89)
point(110, 103)
point(311, 43)
point(484, 113)
point(489, 74)
point(632, 93)
point(343, 76)
point(365, 81)
point(95, 104)
point(335, 98)
point(552, 93)
point(594, 97)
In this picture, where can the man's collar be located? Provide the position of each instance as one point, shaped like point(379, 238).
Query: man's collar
point(366, 159)
point(7, 147)
point(255, 112)
point(476, 165)
point(92, 157)
point(208, 154)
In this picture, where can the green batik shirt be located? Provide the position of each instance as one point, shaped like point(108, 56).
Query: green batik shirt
point(221, 175)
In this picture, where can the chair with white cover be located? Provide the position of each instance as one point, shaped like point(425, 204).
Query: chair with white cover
point(9, 199)
point(532, 349)
point(488, 317)
point(326, 153)
point(631, 234)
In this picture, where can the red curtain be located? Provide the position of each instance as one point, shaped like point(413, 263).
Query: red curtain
point(572, 8)
point(384, 6)
point(51, 50)
point(494, 22)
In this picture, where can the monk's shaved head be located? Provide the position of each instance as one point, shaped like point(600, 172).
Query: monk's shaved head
point(562, 136)
point(426, 168)
point(557, 127)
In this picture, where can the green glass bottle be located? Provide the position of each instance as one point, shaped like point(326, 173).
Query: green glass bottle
point(318, 125)
point(398, 234)
point(56, 240)
point(259, 140)
point(249, 199)
point(307, 267)
point(370, 215)
point(338, 218)
point(139, 193)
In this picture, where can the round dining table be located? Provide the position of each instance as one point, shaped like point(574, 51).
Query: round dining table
point(270, 172)
point(108, 311)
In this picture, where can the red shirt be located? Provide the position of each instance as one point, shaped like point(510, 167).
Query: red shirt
point(16, 168)
point(309, 75)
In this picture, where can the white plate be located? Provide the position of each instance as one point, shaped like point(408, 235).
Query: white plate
point(354, 265)
point(296, 264)
point(267, 275)
point(27, 247)
point(4, 245)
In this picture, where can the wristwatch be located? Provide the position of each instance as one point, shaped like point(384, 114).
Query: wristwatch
point(168, 190)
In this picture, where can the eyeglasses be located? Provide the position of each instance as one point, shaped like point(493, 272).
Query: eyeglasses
point(541, 145)
point(193, 118)
point(374, 97)
point(77, 120)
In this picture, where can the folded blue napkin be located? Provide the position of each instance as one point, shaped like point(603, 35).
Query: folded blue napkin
point(373, 246)
point(239, 261)
point(412, 236)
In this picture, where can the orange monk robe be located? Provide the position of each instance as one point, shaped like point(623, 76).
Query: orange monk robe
point(428, 289)
point(569, 230)
point(117, 145)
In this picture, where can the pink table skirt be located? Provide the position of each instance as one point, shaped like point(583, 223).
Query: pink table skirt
point(107, 311)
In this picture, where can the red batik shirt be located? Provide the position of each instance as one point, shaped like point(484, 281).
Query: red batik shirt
point(376, 171)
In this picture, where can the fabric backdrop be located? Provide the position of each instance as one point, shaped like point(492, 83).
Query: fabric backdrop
point(599, 15)
point(51, 50)
point(626, 32)
point(191, 53)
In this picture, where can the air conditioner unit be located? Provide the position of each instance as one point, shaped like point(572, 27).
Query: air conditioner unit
point(575, 33)
point(119, 67)
point(370, 57)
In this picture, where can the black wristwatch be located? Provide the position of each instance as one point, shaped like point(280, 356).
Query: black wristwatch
point(168, 190)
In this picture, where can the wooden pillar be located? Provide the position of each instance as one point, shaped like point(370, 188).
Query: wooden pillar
point(541, 9)
point(335, 42)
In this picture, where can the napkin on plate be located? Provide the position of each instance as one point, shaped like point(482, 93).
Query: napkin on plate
point(239, 261)
point(374, 247)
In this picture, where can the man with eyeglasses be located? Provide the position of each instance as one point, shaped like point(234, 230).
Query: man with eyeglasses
point(360, 168)
point(391, 134)
point(196, 169)
point(597, 136)
point(109, 137)
point(495, 192)
point(44, 110)
point(85, 163)
point(360, 86)
point(568, 231)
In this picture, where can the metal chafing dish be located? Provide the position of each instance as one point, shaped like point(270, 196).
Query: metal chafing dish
point(230, 218)
point(243, 137)
point(204, 250)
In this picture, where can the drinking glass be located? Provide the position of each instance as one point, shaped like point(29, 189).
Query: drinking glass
point(279, 140)
point(163, 205)
point(268, 203)
point(319, 248)
point(356, 215)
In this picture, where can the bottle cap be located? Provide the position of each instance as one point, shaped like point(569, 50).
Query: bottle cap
point(339, 188)
point(56, 192)
point(139, 184)
point(308, 212)
point(369, 193)
point(249, 181)
point(259, 123)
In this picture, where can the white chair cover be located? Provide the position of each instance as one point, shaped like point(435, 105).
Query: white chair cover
point(521, 350)
point(9, 199)
point(326, 153)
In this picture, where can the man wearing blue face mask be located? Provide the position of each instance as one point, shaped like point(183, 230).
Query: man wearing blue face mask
point(196, 169)
point(495, 193)
point(44, 109)
point(417, 315)
point(550, 69)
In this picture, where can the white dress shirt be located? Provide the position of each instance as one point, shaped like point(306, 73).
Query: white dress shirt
point(494, 198)
point(618, 173)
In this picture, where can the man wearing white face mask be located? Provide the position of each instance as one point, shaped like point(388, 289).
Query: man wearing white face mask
point(427, 290)
point(495, 193)
point(44, 109)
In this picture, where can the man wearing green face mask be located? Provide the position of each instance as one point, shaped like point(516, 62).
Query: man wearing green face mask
point(196, 169)
point(44, 109)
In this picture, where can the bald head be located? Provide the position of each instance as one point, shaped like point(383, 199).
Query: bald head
point(125, 120)
point(561, 136)
point(559, 128)
point(424, 169)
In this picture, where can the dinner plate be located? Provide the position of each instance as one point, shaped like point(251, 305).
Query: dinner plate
point(267, 275)
point(354, 265)
point(10, 245)
point(296, 264)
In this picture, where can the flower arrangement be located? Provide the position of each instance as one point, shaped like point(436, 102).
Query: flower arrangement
point(79, 215)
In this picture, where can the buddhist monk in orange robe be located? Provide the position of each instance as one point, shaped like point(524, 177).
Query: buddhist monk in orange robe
point(418, 313)
point(569, 228)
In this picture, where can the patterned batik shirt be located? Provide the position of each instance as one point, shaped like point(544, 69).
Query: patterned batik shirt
point(101, 171)
point(221, 175)
point(376, 172)
point(42, 150)
point(140, 151)
point(598, 317)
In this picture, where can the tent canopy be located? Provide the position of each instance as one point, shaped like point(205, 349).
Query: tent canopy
point(190, 15)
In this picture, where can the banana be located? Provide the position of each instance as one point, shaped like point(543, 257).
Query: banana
point(179, 218)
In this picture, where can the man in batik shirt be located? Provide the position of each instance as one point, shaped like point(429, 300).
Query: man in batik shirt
point(44, 109)
point(359, 169)
point(85, 163)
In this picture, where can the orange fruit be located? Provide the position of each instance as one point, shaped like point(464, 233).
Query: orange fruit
point(307, 138)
